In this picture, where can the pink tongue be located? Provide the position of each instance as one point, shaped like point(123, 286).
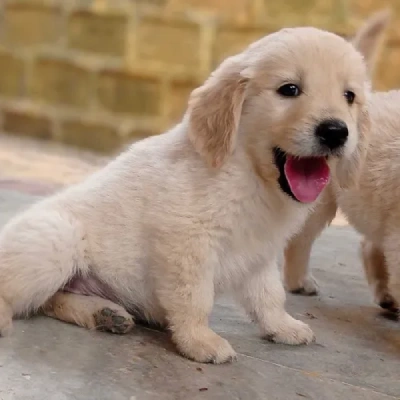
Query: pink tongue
point(307, 177)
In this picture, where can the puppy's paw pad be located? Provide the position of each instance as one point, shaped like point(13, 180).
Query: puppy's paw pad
point(308, 288)
point(115, 321)
point(294, 333)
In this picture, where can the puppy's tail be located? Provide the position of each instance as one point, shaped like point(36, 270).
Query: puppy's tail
point(5, 318)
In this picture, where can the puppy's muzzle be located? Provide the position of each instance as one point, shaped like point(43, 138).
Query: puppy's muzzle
point(332, 133)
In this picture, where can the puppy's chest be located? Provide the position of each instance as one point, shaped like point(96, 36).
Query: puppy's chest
point(253, 241)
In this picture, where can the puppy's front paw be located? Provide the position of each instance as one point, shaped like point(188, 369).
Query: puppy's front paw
point(205, 346)
point(309, 287)
point(293, 332)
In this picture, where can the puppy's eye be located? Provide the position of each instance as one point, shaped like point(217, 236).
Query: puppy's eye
point(350, 96)
point(289, 90)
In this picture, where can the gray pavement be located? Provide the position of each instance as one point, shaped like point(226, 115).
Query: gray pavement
point(356, 356)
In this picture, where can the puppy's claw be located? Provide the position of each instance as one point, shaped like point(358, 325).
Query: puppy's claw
point(229, 360)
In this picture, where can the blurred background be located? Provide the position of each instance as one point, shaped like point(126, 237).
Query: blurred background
point(98, 74)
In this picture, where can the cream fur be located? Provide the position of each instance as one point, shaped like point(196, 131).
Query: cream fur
point(372, 207)
point(184, 216)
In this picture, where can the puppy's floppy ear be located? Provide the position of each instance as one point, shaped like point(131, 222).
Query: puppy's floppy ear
point(349, 171)
point(370, 38)
point(214, 113)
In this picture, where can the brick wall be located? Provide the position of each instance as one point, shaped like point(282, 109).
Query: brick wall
point(97, 73)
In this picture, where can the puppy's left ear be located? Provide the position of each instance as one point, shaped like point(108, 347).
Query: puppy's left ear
point(214, 113)
point(349, 171)
point(370, 38)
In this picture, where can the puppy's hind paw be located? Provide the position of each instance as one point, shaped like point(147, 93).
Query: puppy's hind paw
point(388, 302)
point(114, 321)
point(309, 287)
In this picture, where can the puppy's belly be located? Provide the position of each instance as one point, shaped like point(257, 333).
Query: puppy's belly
point(91, 285)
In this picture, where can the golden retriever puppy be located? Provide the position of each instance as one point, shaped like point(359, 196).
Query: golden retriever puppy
point(202, 209)
point(372, 207)
point(298, 279)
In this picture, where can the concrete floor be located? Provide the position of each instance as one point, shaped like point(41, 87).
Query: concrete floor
point(356, 356)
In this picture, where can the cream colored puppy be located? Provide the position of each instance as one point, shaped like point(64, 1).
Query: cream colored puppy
point(202, 209)
point(372, 207)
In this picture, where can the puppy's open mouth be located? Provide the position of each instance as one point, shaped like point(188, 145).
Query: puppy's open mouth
point(302, 178)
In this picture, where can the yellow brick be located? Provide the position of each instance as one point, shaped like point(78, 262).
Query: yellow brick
point(11, 75)
point(105, 34)
point(363, 9)
point(178, 99)
point(170, 44)
point(233, 10)
point(123, 92)
point(27, 123)
point(388, 72)
point(320, 13)
point(30, 24)
point(61, 82)
point(231, 41)
point(138, 134)
point(94, 136)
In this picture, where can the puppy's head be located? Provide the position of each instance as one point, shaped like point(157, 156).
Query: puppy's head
point(295, 101)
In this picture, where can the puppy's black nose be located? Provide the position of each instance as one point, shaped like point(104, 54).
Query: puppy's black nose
point(332, 133)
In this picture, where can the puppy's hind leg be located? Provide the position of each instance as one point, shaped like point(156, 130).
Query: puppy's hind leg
point(377, 275)
point(90, 312)
point(40, 251)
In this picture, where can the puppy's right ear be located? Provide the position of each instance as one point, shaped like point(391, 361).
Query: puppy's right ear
point(214, 113)
point(370, 38)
